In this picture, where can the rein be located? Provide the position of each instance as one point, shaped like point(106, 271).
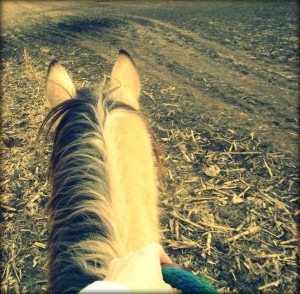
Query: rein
point(182, 279)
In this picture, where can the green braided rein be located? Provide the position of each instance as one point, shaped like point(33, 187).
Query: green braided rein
point(182, 279)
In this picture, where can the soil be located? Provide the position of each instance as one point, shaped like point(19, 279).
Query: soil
point(220, 89)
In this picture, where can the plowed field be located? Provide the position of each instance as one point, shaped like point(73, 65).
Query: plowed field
point(220, 89)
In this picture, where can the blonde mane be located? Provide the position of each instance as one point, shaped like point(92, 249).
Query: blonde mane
point(103, 175)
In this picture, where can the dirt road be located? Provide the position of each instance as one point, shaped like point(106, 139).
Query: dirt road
point(233, 64)
point(217, 77)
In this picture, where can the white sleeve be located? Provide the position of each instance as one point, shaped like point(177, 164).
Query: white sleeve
point(104, 287)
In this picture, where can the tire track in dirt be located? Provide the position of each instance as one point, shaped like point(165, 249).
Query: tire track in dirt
point(184, 64)
point(211, 79)
point(211, 73)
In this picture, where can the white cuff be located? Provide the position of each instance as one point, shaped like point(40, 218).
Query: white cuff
point(103, 287)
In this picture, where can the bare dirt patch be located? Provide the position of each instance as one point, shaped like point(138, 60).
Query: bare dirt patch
point(220, 90)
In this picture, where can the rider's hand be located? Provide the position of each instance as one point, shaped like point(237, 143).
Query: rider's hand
point(141, 270)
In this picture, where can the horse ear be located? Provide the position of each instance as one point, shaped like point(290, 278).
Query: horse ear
point(125, 81)
point(59, 85)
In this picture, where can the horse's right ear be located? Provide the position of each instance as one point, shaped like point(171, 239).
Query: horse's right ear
point(125, 81)
point(59, 85)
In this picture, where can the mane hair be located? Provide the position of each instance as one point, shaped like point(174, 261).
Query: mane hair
point(85, 230)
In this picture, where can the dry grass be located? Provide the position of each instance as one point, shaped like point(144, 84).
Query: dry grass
point(229, 206)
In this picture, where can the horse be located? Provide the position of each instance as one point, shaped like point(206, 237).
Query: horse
point(103, 172)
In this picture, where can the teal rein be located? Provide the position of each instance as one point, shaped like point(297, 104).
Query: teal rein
point(182, 279)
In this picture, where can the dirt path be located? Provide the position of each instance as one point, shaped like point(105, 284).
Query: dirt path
point(219, 87)
point(214, 76)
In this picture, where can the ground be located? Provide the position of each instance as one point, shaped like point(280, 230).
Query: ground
point(220, 92)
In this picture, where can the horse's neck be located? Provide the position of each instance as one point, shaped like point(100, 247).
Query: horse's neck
point(133, 180)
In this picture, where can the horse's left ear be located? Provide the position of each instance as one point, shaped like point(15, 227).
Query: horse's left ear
point(125, 81)
point(59, 85)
